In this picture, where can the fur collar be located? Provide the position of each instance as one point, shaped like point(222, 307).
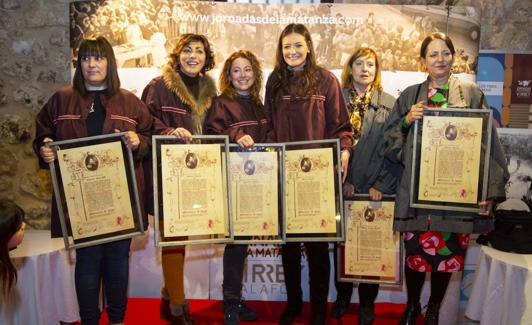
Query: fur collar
point(207, 92)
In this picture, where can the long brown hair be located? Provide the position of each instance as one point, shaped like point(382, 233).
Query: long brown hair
point(226, 86)
point(11, 218)
point(98, 46)
point(281, 72)
point(183, 41)
point(347, 72)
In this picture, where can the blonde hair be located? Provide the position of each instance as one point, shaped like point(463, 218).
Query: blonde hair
point(347, 72)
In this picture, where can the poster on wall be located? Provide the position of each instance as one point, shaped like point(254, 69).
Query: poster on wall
point(517, 146)
point(522, 79)
point(144, 34)
point(506, 80)
point(490, 78)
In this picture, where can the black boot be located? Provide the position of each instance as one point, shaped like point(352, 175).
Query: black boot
point(180, 315)
point(318, 312)
point(164, 309)
point(318, 318)
point(245, 313)
point(290, 313)
point(231, 316)
point(432, 314)
point(412, 311)
point(340, 308)
point(366, 314)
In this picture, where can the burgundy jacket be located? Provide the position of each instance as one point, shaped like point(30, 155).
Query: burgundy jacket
point(236, 118)
point(322, 115)
point(63, 117)
point(169, 100)
point(172, 105)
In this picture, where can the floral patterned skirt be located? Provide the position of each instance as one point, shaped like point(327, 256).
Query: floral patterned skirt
point(435, 251)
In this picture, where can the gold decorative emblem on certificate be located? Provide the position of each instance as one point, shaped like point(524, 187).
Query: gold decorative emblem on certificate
point(254, 188)
point(450, 159)
point(96, 190)
point(310, 195)
point(192, 190)
point(371, 246)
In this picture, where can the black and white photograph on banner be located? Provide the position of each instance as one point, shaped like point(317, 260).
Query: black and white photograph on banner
point(517, 144)
point(144, 33)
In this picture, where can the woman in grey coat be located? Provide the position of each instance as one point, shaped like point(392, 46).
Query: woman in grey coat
point(368, 172)
point(436, 240)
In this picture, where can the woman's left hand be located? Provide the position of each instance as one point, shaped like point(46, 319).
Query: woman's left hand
point(345, 162)
point(132, 139)
point(374, 194)
point(182, 134)
point(486, 207)
point(245, 141)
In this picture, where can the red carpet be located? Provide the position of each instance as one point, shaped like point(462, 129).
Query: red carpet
point(206, 312)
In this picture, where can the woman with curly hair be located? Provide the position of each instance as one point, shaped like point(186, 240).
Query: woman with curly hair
point(238, 112)
point(180, 98)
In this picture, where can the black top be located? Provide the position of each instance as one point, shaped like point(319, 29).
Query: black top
point(192, 83)
point(96, 115)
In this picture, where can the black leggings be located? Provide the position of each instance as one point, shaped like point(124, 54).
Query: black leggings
point(438, 285)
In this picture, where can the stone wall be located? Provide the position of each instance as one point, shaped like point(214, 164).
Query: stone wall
point(34, 55)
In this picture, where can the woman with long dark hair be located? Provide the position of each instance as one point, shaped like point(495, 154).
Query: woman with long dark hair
point(94, 105)
point(12, 229)
point(304, 102)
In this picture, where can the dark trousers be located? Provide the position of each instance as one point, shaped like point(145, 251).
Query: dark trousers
point(367, 292)
point(439, 282)
point(319, 268)
point(234, 258)
point(109, 263)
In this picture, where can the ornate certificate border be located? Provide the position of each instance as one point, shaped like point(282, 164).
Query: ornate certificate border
point(311, 167)
point(451, 159)
point(95, 189)
point(377, 255)
point(256, 177)
point(183, 188)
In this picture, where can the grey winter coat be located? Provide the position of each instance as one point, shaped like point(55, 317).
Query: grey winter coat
point(400, 145)
point(368, 166)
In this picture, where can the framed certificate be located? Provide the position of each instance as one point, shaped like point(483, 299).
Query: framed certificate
point(451, 159)
point(95, 190)
point(313, 208)
point(372, 251)
point(191, 190)
point(256, 178)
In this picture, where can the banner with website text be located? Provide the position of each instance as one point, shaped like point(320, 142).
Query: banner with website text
point(144, 34)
